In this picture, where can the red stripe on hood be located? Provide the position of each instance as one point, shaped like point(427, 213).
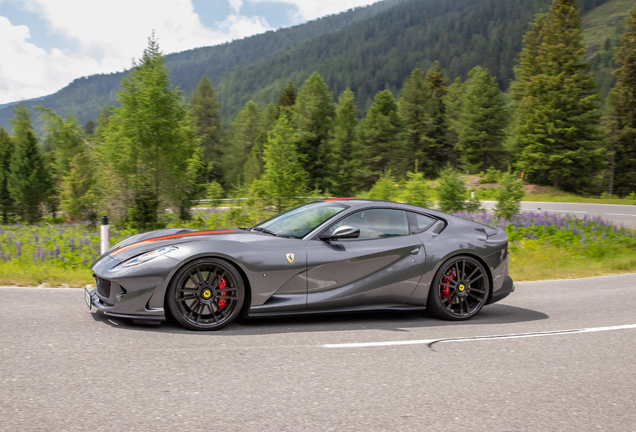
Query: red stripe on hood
point(171, 237)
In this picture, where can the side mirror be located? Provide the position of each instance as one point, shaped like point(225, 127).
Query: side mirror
point(343, 232)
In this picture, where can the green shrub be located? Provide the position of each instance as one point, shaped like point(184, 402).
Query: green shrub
point(509, 197)
point(214, 192)
point(491, 176)
point(416, 192)
point(384, 189)
point(451, 192)
point(473, 205)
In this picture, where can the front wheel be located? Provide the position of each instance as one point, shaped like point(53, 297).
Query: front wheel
point(460, 289)
point(206, 294)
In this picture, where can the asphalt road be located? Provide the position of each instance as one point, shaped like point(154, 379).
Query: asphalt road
point(63, 368)
point(617, 214)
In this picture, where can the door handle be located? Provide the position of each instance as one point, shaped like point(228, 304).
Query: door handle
point(415, 251)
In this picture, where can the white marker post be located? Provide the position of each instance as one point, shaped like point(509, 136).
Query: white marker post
point(105, 235)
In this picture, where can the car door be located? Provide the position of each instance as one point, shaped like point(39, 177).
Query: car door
point(381, 267)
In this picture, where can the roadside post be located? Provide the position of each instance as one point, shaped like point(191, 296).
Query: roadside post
point(105, 235)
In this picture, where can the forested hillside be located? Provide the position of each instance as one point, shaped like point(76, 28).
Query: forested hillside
point(603, 28)
point(368, 50)
point(86, 95)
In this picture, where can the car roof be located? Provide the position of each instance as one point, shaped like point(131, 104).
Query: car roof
point(357, 203)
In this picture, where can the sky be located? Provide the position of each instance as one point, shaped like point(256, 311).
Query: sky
point(46, 44)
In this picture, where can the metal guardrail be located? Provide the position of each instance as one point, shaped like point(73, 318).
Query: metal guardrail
point(245, 199)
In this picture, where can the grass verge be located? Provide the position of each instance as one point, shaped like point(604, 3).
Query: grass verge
point(537, 261)
point(47, 274)
point(577, 199)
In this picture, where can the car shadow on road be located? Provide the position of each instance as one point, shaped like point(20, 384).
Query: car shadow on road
point(382, 320)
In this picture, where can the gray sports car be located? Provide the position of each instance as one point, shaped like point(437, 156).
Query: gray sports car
point(337, 255)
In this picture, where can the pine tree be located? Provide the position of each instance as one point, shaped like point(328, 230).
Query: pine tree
point(207, 124)
point(312, 117)
point(481, 122)
point(453, 103)
point(382, 140)
point(6, 150)
point(623, 113)
point(416, 191)
point(421, 108)
point(414, 112)
point(441, 152)
point(283, 177)
point(287, 97)
point(149, 143)
point(528, 65)
point(254, 166)
point(76, 190)
point(72, 166)
point(344, 161)
point(451, 192)
point(29, 181)
point(245, 130)
point(385, 188)
point(270, 115)
point(558, 121)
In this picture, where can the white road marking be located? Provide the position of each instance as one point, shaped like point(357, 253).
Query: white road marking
point(621, 214)
point(476, 338)
point(562, 211)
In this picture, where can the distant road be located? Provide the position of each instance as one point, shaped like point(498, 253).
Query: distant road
point(616, 214)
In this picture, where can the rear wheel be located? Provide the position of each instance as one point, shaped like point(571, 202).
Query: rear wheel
point(460, 289)
point(206, 294)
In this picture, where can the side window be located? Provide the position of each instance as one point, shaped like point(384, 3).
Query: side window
point(422, 222)
point(377, 223)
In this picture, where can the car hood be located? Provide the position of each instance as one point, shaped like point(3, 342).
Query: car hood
point(145, 242)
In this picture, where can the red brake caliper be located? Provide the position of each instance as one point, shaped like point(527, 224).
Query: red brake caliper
point(223, 285)
point(445, 291)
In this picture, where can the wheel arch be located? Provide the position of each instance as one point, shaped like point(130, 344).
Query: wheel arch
point(476, 257)
point(246, 282)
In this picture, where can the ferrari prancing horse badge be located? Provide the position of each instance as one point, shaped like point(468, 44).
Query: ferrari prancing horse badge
point(290, 257)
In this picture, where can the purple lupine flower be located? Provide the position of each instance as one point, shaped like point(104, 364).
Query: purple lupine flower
point(72, 244)
point(18, 247)
point(57, 251)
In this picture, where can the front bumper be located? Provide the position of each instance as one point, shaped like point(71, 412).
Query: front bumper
point(136, 293)
point(147, 315)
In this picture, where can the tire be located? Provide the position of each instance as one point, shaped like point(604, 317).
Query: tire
point(459, 290)
point(206, 294)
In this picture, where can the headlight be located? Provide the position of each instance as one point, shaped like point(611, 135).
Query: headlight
point(140, 259)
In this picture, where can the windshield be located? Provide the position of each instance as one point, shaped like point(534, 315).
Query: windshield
point(300, 221)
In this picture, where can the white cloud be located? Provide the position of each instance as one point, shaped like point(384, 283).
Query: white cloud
point(110, 34)
point(312, 9)
point(27, 71)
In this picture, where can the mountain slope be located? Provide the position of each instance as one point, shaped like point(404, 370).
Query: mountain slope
point(380, 52)
point(603, 28)
point(84, 96)
point(368, 49)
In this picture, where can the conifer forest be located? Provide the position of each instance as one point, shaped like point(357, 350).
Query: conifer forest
point(511, 89)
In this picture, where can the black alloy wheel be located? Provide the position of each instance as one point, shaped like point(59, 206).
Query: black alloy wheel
point(460, 289)
point(206, 294)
